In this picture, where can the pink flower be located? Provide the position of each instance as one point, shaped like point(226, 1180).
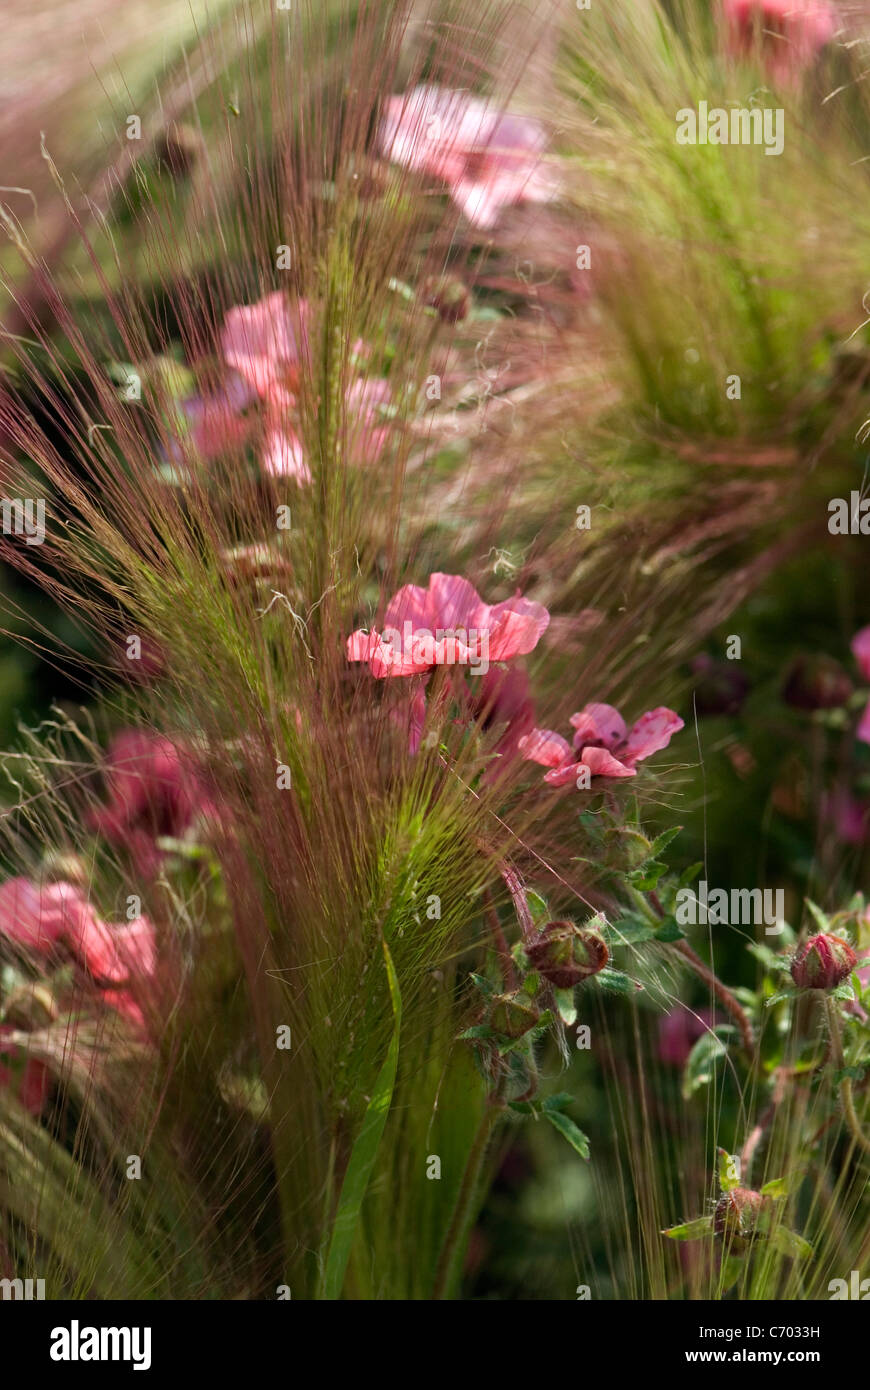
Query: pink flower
point(447, 624)
point(788, 33)
point(152, 793)
point(679, 1031)
point(367, 430)
point(264, 343)
point(601, 743)
point(489, 159)
point(39, 918)
point(861, 653)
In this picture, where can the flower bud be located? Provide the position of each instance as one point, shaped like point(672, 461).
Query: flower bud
point(721, 686)
point(179, 148)
point(823, 962)
point(816, 682)
point(513, 1015)
point(30, 1008)
point(735, 1219)
point(449, 295)
point(565, 954)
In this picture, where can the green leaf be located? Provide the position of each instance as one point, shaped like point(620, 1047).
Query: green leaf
point(778, 997)
point(781, 1187)
point(630, 931)
point(691, 1230)
point(565, 1005)
point(848, 1074)
point(670, 931)
point(537, 907)
point(560, 1101)
point(567, 1128)
point(730, 1272)
point(821, 920)
point(478, 1032)
point(364, 1152)
point(662, 841)
point(690, 874)
point(790, 1243)
point(647, 877)
point(483, 984)
point(615, 981)
point(728, 1166)
point(708, 1050)
point(531, 984)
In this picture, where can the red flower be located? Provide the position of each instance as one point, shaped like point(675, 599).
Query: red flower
point(489, 159)
point(152, 792)
point(602, 744)
point(788, 33)
point(448, 624)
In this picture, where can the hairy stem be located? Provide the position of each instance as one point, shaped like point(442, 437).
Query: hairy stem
point(850, 1113)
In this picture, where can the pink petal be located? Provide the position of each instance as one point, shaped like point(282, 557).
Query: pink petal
point(39, 918)
point(260, 340)
point(546, 747)
point(652, 732)
point(515, 627)
point(598, 723)
point(861, 651)
point(863, 730)
point(602, 763)
point(455, 603)
point(283, 455)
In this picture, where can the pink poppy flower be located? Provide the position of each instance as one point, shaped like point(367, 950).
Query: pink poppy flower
point(152, 792)
point(447, 624)
point(788, 33)
point(601, 744)
point(367, 430)
point(489, 159)
point(265, 342)
point(678, 1032)
point(861, 653)
point(39, 918)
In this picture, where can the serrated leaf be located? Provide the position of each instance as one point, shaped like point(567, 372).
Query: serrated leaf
point(647, 877)
point(781, 1187)
point(728, 1168)
point(669, 931)
point(779, 997)
point(531, 984)
point(698, 1070)
point(662, 841)
point(691, 1230)
point(567, 1128)
point(630, 931)
point(560, 1101)
point(478, 1032)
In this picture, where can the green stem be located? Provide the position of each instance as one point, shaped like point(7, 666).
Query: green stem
point(466, 1202)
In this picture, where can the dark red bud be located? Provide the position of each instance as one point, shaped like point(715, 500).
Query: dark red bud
point(823, 962)
point(450, 296)
point(816, 682)
point(566, 954)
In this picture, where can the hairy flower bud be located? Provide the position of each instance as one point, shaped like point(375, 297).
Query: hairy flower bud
point(30, 1008)
point(513, 1015)
point(816, 682)
point(823, 962)
point(735, 1219)
point(565, 954)
point(450, 296)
